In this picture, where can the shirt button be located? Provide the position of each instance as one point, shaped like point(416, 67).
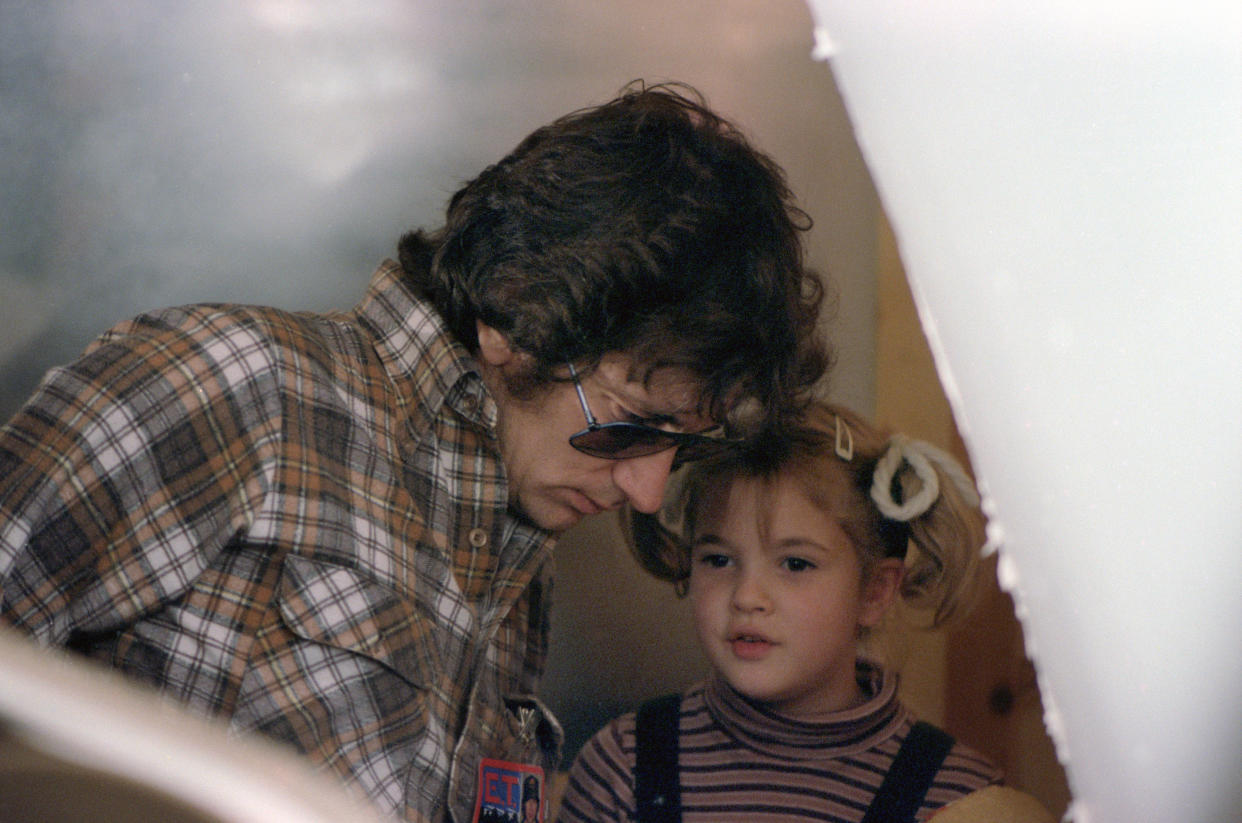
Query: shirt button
point(477, 538)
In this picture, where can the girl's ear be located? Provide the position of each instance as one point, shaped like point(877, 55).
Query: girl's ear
point(880, 591)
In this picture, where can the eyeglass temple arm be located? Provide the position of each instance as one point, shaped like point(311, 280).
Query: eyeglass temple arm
point(586, 409)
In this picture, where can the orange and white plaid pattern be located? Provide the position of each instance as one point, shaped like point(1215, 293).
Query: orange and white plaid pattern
point(298, 521)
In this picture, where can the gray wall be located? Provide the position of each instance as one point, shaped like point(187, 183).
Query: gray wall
point(272, 151)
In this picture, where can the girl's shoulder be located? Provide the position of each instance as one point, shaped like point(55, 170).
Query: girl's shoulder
point(963, 770)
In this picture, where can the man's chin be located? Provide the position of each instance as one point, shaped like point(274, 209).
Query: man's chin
point(553, 518)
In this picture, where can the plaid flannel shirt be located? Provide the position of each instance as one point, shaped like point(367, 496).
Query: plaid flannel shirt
point(299, 522)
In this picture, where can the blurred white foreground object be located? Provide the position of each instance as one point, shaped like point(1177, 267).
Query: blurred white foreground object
point(1064, 179)
point(77, 742)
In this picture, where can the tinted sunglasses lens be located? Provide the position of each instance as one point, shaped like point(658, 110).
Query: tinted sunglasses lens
point(618, 441)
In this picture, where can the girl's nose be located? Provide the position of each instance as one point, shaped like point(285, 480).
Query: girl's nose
point(749, 593)
point(643, 479)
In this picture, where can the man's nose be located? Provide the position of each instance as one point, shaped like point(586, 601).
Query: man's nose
point(643, 479)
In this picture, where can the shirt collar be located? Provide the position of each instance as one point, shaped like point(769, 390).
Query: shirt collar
point(426, 364)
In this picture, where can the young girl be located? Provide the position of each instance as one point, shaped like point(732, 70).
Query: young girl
point(791, 552)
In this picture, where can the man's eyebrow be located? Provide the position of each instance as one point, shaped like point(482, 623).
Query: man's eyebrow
point(654, 411)
point(642, 411)
point(659, 418)
point(683, 414)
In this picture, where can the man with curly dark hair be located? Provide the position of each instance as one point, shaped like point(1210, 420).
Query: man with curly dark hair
point(335, 529)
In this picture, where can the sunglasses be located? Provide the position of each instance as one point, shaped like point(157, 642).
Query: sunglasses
point(623, 440)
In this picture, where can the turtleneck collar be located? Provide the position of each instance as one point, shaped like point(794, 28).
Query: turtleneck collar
point(842, 733)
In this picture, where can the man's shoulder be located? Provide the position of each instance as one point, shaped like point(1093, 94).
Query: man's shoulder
point(237, 328)
point(205, 321)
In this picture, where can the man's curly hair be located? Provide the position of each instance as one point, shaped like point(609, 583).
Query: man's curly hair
point(647, 226)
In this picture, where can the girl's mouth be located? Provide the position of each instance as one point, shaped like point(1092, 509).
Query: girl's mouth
point(750, 646)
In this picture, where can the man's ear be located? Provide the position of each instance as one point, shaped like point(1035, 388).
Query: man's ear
point(880, 590)
point(494, 348)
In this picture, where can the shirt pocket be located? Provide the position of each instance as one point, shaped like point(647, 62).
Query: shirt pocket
point(340, 607)
point(535, 728)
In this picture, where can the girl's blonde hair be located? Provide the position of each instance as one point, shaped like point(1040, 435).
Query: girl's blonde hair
point(894, 497)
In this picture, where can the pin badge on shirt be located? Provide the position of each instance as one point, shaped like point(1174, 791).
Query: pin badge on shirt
point(528, 721)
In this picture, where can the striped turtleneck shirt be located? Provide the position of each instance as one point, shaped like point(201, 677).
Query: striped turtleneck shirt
point(741, 763)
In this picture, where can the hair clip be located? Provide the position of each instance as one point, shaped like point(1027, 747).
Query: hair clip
point(844, 445)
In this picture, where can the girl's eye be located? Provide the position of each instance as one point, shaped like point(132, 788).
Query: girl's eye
point(797, 564)
point(714, 561)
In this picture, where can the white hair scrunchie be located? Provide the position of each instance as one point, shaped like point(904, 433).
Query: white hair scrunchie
point(920, 455)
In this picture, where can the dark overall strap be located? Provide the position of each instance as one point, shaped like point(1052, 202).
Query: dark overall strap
point(921, 755)
point(657, 783)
